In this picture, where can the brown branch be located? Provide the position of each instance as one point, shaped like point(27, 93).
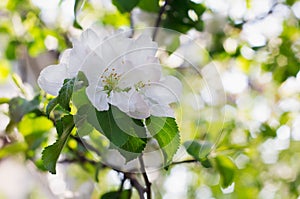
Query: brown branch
point(184, 161)
point(146, 179)
point(131, 25)
point(87, 145)
point(159, 19)
point(135, 183)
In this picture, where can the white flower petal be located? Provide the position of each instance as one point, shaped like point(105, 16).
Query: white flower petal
point(161, 110)
point(138, 108)
point(51, 78)
point(65, 56)
point(166, 91)
point(90, 38)
point(97, 97)
point(114, 48)
point(93, 68)
point(142, 49)
point(146, 74)
point(120, 100)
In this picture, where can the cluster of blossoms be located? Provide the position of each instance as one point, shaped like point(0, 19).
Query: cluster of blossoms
point(121, 71)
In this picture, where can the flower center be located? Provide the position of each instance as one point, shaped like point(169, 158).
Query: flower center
point(110, 80)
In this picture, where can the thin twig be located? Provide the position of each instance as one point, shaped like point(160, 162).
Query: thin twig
point(135, 183)
point(159, 18)
point(87, 145)
point(131, 25)
point(146, 179)
point(184, 161)
point(122, 185)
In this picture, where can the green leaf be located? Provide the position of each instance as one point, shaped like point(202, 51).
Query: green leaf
point(65, 94)
point(31, 124)
point(125, 134)
point(267, 131)
point(125, 194)
point(77, 7)
point(51, 105)
point(173, 46)
point(51, 153)
point(62, 123)
point(11, 50)
point(18, 107)
point(165, 131)
point(149, 5)
point(125, 6)
point(177, 16)
point(4, 100)
point(199, 150)
point(227, 169)
point(13, 149)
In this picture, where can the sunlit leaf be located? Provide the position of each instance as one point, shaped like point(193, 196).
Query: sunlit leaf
point(12, 149)
point(32, 124)
point(65, 94)
point(51, 153)
point(199, 150)
point(165, 131)
point(227, 169)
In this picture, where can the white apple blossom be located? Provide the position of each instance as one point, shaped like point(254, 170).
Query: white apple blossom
point(121, 71)
point(52, 77)
point(124, 72)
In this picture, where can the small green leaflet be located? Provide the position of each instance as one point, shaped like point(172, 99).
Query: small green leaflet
point(227, 169)
point(4, 100)
point(165, 131)
point(65, 94)
point(125, 134)
point(51, 105)
point(77, 7)
point(199, 150)
point(64, 97)
point(51, 153)
point(125, 6)
point(125, 194)
point(18, 107)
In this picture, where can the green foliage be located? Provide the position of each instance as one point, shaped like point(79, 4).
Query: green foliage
point(65, 94)
point(12, 149)
point(18, 107)
point(23, 34)
point(165, 131)
point(125, 6)
point(178, 16)
point(34, 129)
point(227, 169)
point(11, 50)
point(200, 151)
point(77, 7)
point(51, 153)
point(149, 5)
point(51, 105)
point(125, 134)
point(267, 131)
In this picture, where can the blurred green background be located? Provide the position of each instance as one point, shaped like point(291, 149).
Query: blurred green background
point(248, 111)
